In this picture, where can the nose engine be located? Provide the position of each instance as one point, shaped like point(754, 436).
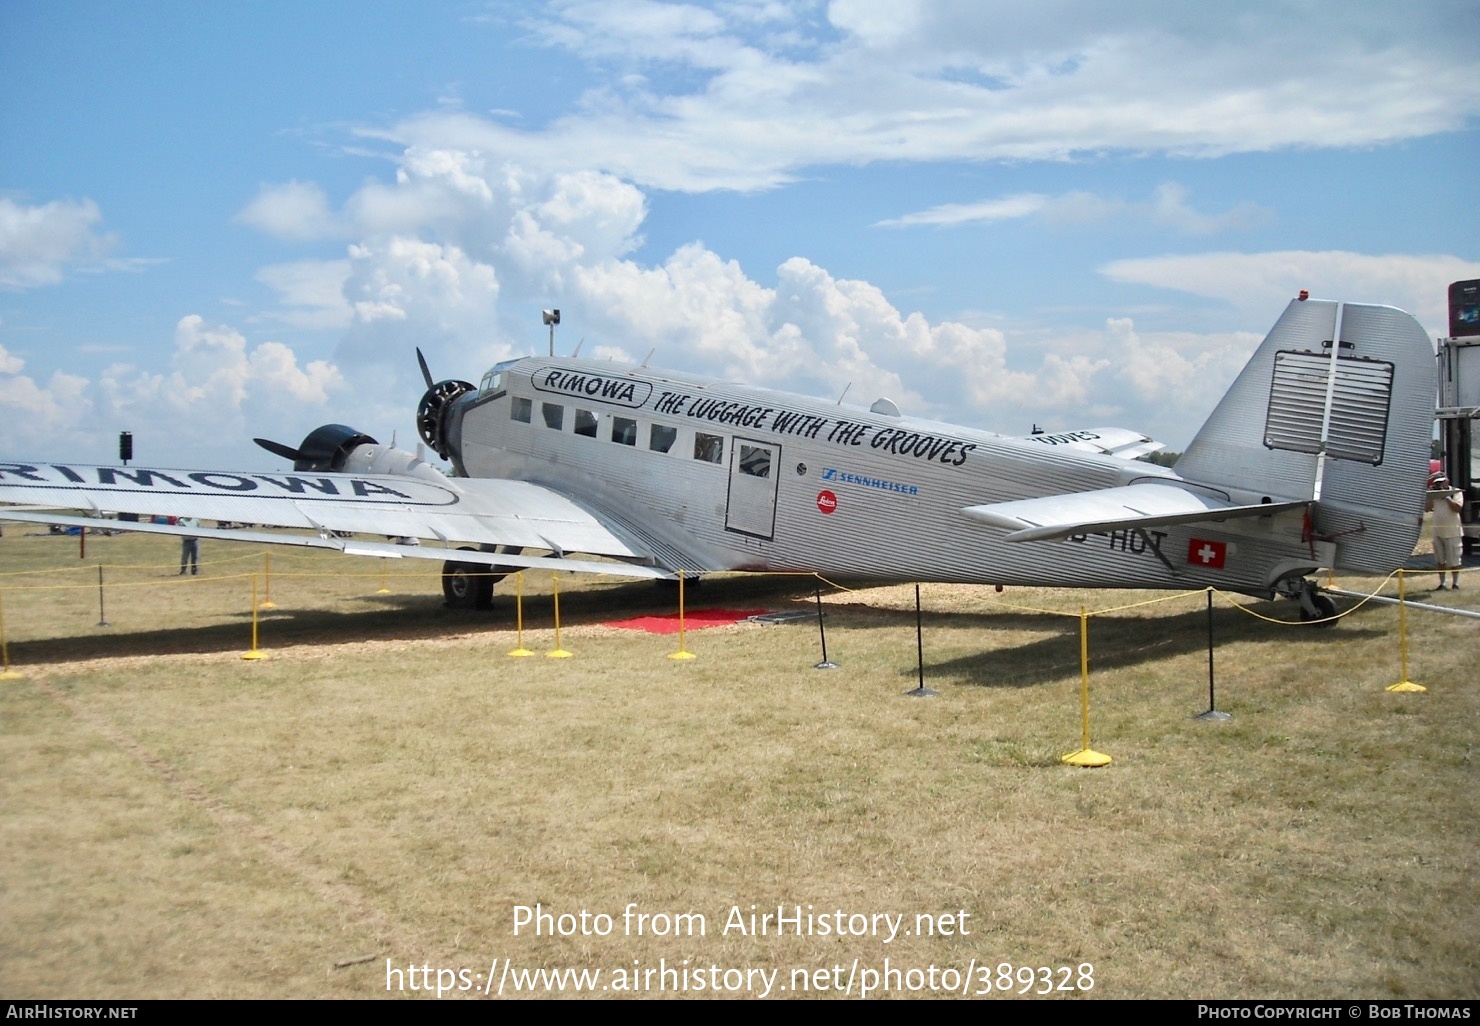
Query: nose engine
point(432, 415)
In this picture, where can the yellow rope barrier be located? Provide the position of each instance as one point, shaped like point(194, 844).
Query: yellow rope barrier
point(558, 652)
point(1086, 756)
point(682, 653)
point(1404, 685)
point(521, 651)
point(256, 653)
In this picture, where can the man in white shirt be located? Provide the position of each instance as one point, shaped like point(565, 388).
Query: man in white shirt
point(1448, 530)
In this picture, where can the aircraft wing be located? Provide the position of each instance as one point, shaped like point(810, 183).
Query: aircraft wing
point(443, 511)
point(1111, 509)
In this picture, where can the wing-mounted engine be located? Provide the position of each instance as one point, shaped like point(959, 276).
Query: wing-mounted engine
point(325, 448)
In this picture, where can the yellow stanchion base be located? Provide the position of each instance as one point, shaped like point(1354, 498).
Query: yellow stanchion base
point(519, 653)
point(382, 591)
point(1406, 687)
point(254, 654)
point(12, 675)
point(1086, 757)
point(268, 605)
point(558, 653)
point(681, 654)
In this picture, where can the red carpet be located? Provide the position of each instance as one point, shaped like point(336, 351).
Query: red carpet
point(694, 619)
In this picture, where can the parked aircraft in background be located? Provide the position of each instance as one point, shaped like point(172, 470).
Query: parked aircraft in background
point(1316, 457)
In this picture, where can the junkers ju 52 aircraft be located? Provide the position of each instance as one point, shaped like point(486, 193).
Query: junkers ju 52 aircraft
point(1316, 457)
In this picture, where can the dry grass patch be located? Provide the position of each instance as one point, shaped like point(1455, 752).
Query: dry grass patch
point(178, 822)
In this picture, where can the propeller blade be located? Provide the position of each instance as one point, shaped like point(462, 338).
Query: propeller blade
point(425, 371)
point(287, 452)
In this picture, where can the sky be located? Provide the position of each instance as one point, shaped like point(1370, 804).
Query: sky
point(219, 221)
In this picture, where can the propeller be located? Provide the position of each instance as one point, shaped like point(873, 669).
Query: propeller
point(325, 448)
point(431, 412)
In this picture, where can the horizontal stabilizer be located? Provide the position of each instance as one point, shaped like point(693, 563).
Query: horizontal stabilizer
point(1122, 443)
point(1109, 509)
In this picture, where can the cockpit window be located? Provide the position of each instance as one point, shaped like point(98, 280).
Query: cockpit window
point(494, 379)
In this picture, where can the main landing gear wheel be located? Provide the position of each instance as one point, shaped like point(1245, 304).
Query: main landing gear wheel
point(467, 585)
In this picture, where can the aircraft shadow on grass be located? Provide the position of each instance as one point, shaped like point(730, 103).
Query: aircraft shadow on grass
point(1117, 641)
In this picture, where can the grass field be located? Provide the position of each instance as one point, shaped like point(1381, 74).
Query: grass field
point(388, 788)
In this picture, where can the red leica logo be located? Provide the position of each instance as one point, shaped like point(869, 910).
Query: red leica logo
point(826, 501)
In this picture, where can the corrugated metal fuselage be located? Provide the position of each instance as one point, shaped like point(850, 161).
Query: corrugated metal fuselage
point(729, 476)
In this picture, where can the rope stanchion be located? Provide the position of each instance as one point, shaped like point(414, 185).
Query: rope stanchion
point(1212, 712)
point(256, 653)
point(6, 673)
point(267, 602)
point(682, 653)
point(557, 652)
point(102, 619)
point(521, 651)
point(920, 690)
point(1086, 756)
point(384, 589)
point(826, 664)
point(1404, 686)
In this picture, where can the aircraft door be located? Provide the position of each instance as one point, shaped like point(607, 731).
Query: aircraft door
point(754, 477)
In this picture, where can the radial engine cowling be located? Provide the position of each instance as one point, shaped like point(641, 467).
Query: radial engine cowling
point(432, 414)
point(324, 449)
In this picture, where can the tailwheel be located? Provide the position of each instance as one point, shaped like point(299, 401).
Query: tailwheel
point(1315, 606)
point(1323, 612)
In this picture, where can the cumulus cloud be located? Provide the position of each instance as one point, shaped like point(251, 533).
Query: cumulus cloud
point(1266, 281)
point(292, 210)
point(311, 292)
point(39, 243)
point(459, 252)
point(722, 98)
point(218, 389)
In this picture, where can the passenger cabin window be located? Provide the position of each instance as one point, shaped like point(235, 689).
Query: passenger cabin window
point(586, 423)
point(521, 410)
point(554, 415)
point(709, 448)
point(662, 438)
point(755, 461)
point(624, 431)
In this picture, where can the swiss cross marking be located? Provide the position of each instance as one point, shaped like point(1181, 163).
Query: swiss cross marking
point(1205, 553)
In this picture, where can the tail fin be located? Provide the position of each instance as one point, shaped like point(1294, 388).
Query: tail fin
point(1345, 426)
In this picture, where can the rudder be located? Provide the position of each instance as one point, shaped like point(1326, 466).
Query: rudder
point(1350, 434)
